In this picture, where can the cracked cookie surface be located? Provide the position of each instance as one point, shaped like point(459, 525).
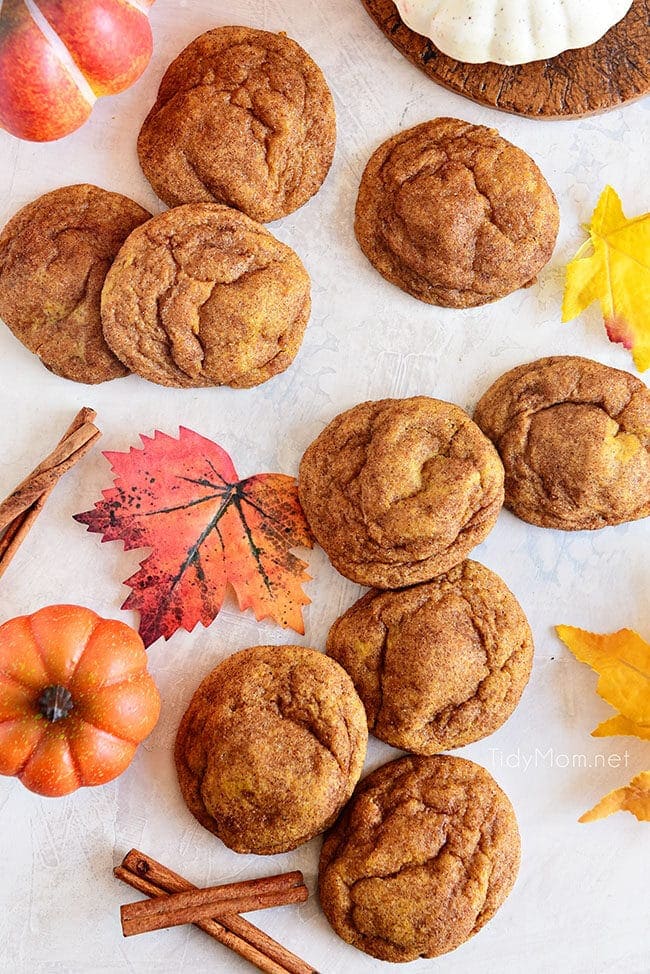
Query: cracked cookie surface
point(204, 296)
point(437, 665)
point(423, 856)
point(400, 490)
point(574, 437)
point(243, 117)
point(54, 256)
point(454, 215)
point(271, 747)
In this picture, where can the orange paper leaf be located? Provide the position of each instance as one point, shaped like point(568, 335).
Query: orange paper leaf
point(634, 798)
point(622, 660)
point(617, 274)
point(208, 529)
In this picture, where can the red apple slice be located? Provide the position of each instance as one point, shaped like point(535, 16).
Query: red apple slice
point(40, 99)
point(58, 56)
point(109, 40)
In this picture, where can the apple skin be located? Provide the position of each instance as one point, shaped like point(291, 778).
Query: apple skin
point(39, 99)
point(110, 42)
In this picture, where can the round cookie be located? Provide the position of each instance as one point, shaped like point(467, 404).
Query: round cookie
point(455, 215)
point(422, 857)
point(437, 665)
point(243, 117)
point(204, 296)
point(574, 437)
point(54, 256)
point(400, 490)
point(271, 747)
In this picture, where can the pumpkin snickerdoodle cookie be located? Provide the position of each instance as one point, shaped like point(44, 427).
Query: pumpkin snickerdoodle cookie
point(204, 296)
point(54, 256)
point(400, 490)
point(422, 857)
point(455, 215)
point(243, 117)
point(271, 747)
point(574, 437)
point(437, 665)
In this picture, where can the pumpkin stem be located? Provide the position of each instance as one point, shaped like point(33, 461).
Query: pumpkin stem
point(55, 702)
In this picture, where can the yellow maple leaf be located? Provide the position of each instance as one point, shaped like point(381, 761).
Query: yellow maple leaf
point(622, 660)
point(634, 798)
point(617, 274)
point(620, 725)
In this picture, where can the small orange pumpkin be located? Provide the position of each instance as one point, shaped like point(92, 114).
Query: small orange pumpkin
point(75, 699)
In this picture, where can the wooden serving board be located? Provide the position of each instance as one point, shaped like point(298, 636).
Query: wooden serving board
point(606, 75)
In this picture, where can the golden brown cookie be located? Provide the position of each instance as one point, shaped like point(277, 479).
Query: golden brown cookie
point(243, 117)
point(437, 665)
point(423, 856)
point(400, 490)
point(204, 296)
point(574, 437)
point(271, 747)
point(54, 256)
point(455, 215)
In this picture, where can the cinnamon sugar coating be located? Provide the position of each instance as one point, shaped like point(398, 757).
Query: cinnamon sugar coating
point(243, 117)
point(437, 665)
point(574, 437)
point(204, 296)
point(424, 855)
point(400, 490)
point(54, 257)
point(271, 747)
point(455, 215)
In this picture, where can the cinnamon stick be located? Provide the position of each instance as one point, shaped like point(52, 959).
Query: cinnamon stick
point(212, 928)
point(152, 878)
point(176, 909)
point(19, 511)
point(71, 448)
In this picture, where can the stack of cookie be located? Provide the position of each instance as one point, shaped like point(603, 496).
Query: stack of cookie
point(398, 493)
point(242, 132)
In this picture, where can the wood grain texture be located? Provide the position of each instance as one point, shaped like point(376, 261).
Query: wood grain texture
point(606, 75)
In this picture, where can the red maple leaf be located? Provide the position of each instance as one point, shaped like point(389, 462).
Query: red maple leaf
point(182, 498)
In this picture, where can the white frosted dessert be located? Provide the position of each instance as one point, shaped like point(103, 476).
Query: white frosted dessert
point(511, 31)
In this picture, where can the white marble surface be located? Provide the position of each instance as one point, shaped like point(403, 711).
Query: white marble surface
point(581, 903)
